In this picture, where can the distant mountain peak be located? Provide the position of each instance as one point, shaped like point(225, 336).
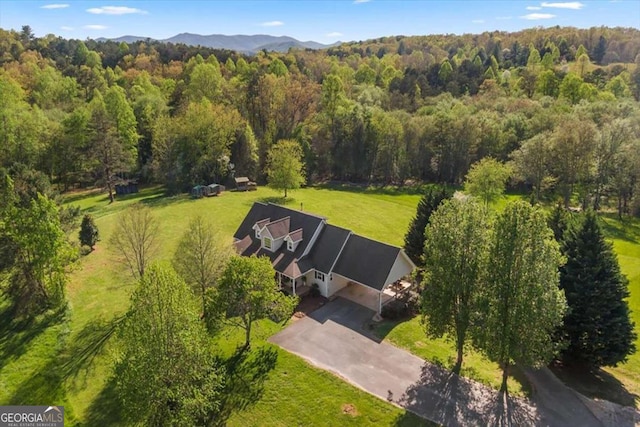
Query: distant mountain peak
point(239, 42)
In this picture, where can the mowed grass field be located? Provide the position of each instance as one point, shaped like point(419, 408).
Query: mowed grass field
point(295, 392)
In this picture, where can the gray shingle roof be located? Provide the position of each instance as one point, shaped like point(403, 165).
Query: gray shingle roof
point(283, 260)
point(366, 261)
point(279, 228)
point(327, 248)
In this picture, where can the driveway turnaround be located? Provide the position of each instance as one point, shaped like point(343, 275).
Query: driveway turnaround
point(334, 338)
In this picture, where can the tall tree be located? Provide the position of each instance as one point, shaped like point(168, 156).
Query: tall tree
point(414, 239)
point(166, 373)
point(201, 256)
point(531, 163)
point(134, 238)
point(246, 292)
point(113, 135)
point(522, 298)
point(454, 259)
point(285, 170)
point(487, 180)
point(35, 250)
point(597, 326)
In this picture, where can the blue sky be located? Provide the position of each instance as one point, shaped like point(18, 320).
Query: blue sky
point(321, 20)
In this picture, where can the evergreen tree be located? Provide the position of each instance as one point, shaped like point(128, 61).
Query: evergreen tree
point(414, 239)
point(558, 221)
point(89, 234)
point(598, 325)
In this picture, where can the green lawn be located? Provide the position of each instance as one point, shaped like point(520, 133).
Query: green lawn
point(295, 393)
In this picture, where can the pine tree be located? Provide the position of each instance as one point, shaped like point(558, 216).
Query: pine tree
point(89, 234)
point(558, 221)
point(414, 239)
point(598, 325)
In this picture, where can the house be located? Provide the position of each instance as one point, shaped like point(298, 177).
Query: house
point(306, 250)
point(243, 184)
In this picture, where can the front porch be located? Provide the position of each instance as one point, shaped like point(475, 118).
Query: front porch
point(292, 285)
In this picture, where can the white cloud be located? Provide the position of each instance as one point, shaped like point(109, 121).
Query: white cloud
point(334, 34)
point(533, 8)
point(115, 10)
point(503, 18)
point(272, 24)
point(537, 16)
point(361, 1)
point(55, 6)
point(66, 28)
point(574, 5)
point(95, 27)
point(478, 21)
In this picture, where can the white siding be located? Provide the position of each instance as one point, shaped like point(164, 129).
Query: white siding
point(322, 285)
point(336, 283)
point(401, 267)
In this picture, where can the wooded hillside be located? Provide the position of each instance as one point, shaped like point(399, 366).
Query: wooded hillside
point(560, 103)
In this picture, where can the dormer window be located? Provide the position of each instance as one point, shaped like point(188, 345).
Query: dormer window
point(257, 233)
point(290, 245)
point(266, 242)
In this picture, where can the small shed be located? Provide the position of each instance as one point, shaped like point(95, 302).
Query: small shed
point(198, 191)
point(126, 187)
point(241, 183)
point(213, 190)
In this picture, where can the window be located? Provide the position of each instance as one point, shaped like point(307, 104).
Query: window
point(319, 276)
point(257, 233)
point(267, 242)
point(290, 245)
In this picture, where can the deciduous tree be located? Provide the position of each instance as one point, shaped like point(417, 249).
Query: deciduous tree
point(246, 292)
point(166, 373)
point(134, 238)
point(523, 304)
point(487, 180)
point(201, 256)
point(454, 260)
point(285, 170)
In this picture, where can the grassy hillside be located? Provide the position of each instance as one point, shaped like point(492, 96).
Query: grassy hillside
point(295, 393)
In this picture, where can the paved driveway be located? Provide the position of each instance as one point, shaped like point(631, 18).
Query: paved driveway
point(333, 338)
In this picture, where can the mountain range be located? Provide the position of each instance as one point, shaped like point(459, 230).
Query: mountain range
point(239, 43)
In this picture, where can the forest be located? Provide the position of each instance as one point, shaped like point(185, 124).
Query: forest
point(559, 104)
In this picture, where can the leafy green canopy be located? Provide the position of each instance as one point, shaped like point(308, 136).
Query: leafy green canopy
point(285, 170)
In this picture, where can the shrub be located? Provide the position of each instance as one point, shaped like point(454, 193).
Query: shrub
point(89, 234)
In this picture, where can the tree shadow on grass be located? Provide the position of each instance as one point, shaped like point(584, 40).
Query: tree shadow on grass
point(16, 333)
point(278, 200)
point(595, 383)
point(389, 190)
point(48, 384)
point(246, 372)
point(626, 229)
point(448, 399)
point(105, 409)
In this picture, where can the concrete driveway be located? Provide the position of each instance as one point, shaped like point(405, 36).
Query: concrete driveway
point(333, 338)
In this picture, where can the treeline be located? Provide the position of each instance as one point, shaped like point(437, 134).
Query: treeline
point(389, 110)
